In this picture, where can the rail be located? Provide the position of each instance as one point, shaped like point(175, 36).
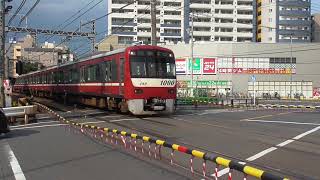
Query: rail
point(158, 143)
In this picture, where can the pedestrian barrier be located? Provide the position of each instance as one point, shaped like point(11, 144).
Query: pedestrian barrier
point(130, 140)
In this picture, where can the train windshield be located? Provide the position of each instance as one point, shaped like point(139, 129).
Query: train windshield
point(152, 64)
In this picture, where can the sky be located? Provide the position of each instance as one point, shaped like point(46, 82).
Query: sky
point(50, 13)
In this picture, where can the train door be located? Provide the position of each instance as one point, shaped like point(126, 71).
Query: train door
point(121, 76)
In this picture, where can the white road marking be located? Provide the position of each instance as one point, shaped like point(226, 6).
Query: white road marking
point(33, 127)
point(24, 125)
point(118, 120)
point(16, 169)
point(280, 122)
point(260, 154)
point(264, 152)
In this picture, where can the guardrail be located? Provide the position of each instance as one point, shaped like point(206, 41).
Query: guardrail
point(25, 111)
point(97, 131)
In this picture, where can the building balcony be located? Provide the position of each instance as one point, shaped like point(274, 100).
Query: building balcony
point(124, 24)
point(202, 24)
point(294, 3)
point(172, 17)
point(295, 32)
point(202, 6)
point(295, 13)
point(171, 25)
point(121, 15)
point(245, 7)
point(130, 33)
point(245, 16)
point(295, 22)
point(202, 33)
point(170, 34)
point(294, 41)
point(226, 6)
point(224, 16)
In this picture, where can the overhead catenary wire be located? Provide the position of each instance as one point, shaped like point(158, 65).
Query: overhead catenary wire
point(16, 12)
point(22, 19)
point(30, 11)
point(66, 39)
point(71, 17)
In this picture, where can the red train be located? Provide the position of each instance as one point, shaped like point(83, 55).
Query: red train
point(138, 79)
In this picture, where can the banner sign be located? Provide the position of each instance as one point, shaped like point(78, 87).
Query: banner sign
point(185, 84)
point(181, 66)
point(209, 66)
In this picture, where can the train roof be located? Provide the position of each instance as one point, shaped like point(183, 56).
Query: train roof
point(99, 55)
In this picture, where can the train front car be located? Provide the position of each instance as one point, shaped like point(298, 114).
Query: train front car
point(151, 86)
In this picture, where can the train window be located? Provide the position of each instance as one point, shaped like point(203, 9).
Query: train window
point(82, 74)
point(121, 69)
point(114, 71)
point(93, 73)
point(108, 71)
point(61, 77)
point(66, 77)
point(74, 76)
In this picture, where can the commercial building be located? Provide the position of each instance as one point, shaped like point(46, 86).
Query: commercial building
point(235, 68)
point(279, 20)
point(213, 20)
point(316, 28)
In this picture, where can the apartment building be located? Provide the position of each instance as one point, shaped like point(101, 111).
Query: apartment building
point(281, 20)
point(213, 20)
point(133, 23)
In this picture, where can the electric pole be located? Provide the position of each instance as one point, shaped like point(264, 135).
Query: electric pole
point(153, 23)
point(2, 53)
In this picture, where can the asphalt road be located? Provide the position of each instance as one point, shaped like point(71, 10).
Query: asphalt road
point(279, 141)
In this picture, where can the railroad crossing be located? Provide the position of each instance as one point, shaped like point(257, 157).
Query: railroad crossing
point(278, 141)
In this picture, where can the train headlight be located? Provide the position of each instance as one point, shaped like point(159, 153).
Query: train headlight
point(138, 91)
point(171, 91)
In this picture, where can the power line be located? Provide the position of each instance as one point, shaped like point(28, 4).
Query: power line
point(72, 16)
point(29, 12)
point(17, 11)
point(77, 18)
point(22, 19)
point(103, 16)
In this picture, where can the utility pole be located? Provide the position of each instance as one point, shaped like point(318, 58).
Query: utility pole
point(153, 23)
point(2, 53)
point(192, 59)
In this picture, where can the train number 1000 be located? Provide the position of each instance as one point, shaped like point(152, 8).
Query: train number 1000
point(167, 82)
